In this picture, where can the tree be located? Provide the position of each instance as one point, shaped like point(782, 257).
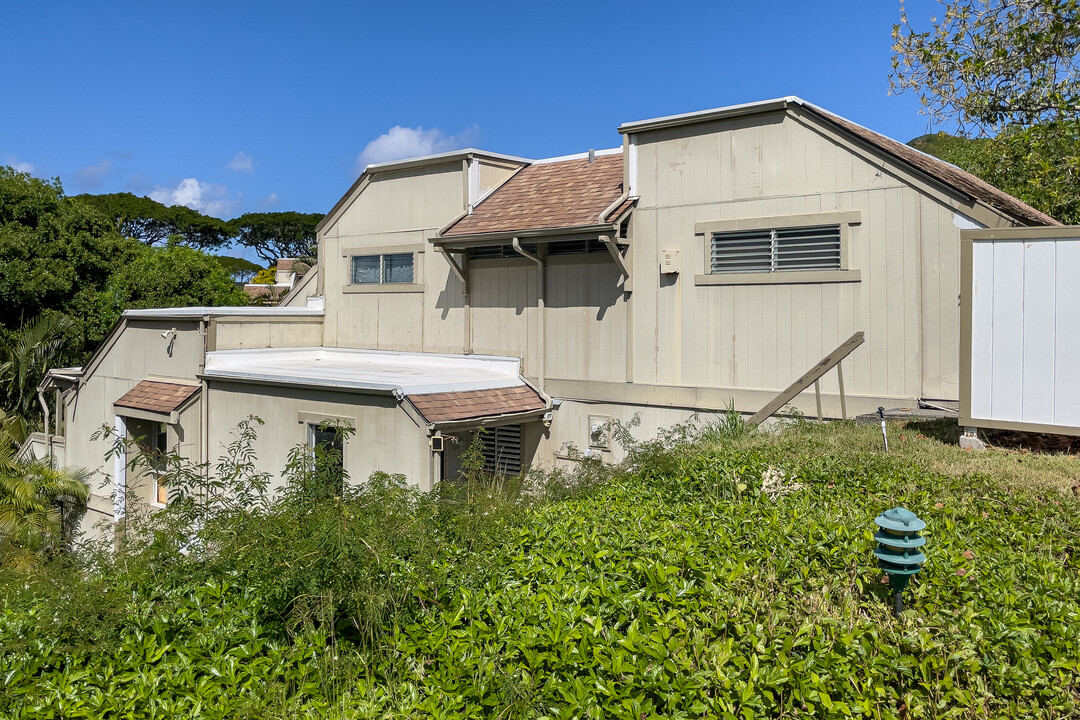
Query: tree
point(1039, 165)
point(172, 276)
point(37, 505)
point(993, 63)
point(153, 223)
point(239, 269)
point(55, 253)
point(278, 234)
point(25, 358)
point(1007, 70)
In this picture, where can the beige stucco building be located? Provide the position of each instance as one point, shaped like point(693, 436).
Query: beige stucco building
point(709, 260)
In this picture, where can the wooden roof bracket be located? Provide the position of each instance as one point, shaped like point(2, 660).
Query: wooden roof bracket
point(459, 270)
point(613, 249)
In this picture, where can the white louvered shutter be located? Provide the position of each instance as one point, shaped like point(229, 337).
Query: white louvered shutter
point(742, 251)
point(808, 248)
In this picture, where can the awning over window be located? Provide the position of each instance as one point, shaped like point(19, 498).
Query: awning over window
point(155, 398)
point(451, 407)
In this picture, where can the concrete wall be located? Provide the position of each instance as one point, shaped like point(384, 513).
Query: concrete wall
point(232, 333)
point(136, 351)
point(386, 437)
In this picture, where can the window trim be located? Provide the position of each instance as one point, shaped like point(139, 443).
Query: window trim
point(159, 429)
point(843, 218)
point(383, 287)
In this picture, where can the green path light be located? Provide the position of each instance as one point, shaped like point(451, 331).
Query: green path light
point(898, 553)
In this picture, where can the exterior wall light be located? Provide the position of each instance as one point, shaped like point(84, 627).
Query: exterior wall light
point(899, 553)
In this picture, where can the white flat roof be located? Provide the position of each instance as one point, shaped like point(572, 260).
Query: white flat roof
point(201, 311)
point(400, 373)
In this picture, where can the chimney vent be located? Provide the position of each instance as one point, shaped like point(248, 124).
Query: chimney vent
point(592, 155)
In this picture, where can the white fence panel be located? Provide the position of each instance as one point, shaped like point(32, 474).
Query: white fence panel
point(1020, 340)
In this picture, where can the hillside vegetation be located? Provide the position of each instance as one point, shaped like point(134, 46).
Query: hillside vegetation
point(670, 586)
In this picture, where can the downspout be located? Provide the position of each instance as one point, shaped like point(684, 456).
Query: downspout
point(48, 433)
point(540, 307)
point(204, 441)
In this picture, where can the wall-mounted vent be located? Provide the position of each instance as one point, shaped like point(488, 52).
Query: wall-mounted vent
point(669, 262)
point(502, 449)
point(749, 251)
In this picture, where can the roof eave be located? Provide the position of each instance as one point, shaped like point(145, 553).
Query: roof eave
point(489, 420)
point(503, 236)
point(702, 116)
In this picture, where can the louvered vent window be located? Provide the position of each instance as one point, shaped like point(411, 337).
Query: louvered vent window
point(502, 449)
point(751, 251)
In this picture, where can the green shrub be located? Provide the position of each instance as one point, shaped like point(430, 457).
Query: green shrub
point(683, 583)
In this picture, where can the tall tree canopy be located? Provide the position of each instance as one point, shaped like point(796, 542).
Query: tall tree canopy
point(56, 253)
point(172, 276)
point(1009, 71)
point(993, 63)
point(277, 234)
point(153, 223)
point(65, 267)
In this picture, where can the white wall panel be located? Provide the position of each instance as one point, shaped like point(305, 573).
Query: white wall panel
point(1025, 330)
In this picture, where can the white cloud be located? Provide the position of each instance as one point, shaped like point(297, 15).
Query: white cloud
point(207, 198)
point(241, 163)
point(269, 201)
point(92, 177)
point(18, 165)
point(399, 143)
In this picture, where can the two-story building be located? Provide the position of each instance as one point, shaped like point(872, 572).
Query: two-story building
point(707, 262)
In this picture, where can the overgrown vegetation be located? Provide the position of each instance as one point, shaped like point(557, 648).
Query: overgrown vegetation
point(672, 585)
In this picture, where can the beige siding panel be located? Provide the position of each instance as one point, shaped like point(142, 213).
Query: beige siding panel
point(444, 307)
point(421, 197)
point(492, 175)
point(386, 439)
point(764, 336)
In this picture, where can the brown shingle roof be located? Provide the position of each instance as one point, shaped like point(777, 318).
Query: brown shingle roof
point(562, 194)
point(157, 397)
point(470, 404)
point(943, 172)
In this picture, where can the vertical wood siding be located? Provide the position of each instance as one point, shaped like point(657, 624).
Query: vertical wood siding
point(764, 336)
point(1025, 358)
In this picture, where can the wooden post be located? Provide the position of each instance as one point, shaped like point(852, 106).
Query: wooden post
point(823, 366)
point(817, 397)
point(843, 397)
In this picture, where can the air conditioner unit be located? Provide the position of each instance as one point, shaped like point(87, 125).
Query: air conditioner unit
point(669, 262)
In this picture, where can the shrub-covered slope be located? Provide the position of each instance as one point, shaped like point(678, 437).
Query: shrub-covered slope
point(672, 587)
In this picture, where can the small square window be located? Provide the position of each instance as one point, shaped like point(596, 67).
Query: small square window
point(397, 268)
point(599, 432)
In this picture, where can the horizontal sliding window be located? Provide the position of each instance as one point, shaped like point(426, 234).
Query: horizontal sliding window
point(777, 250)
point(388, 268)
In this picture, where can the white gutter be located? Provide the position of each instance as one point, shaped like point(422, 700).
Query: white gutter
point(540, 307)
point(201, 312)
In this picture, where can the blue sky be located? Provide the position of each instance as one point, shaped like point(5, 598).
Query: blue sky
point(233, 107)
